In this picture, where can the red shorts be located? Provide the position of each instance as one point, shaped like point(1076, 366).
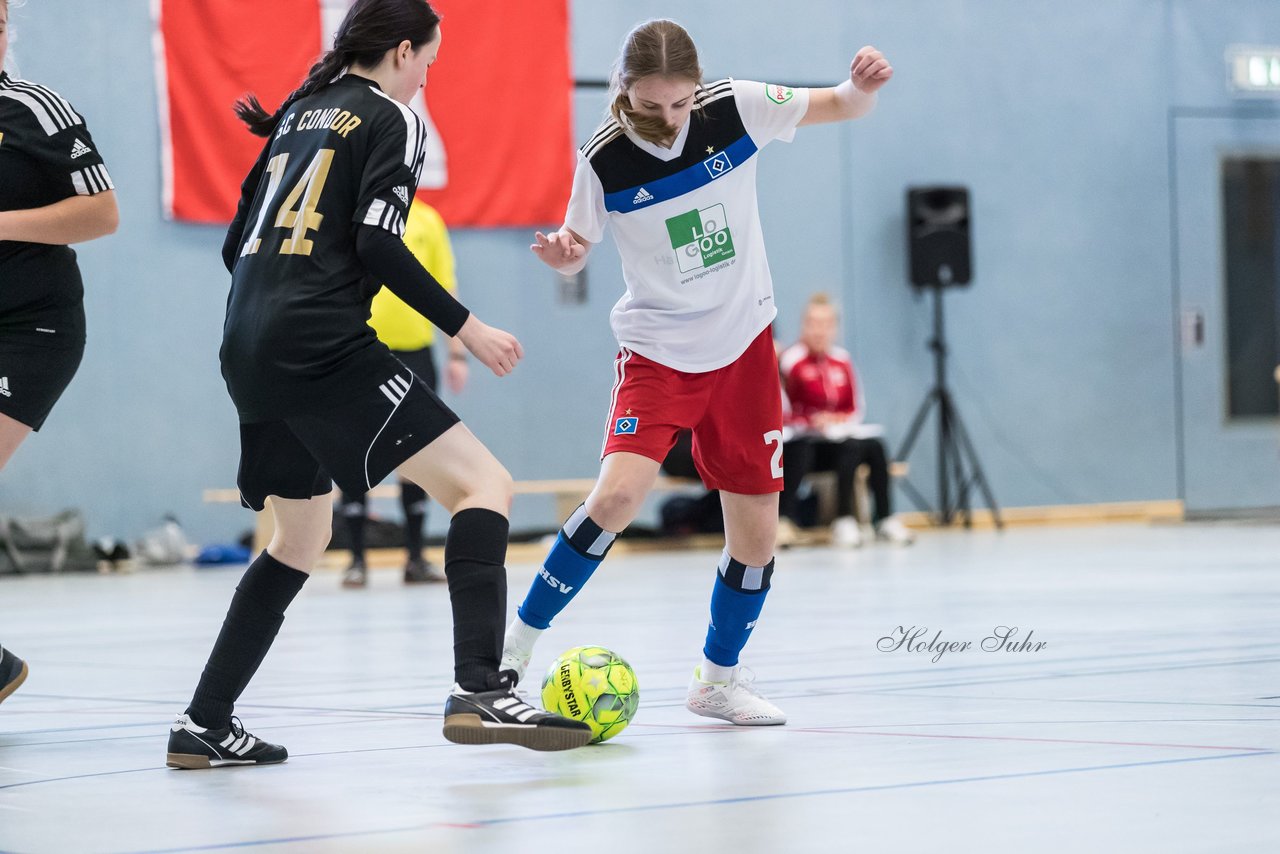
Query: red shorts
point(735, 414)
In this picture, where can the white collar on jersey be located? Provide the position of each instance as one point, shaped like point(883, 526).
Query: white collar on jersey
point(663, 154)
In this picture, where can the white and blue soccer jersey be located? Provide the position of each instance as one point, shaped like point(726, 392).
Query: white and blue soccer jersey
point(687, 225)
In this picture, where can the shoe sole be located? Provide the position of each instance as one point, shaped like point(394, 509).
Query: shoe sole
point(13, 686)
point(355, 585)
point(469, 729)
point(194, 762)
point(715, 716)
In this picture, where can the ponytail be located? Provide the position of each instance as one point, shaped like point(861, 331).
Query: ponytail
point(261, 123)
point(370, 29)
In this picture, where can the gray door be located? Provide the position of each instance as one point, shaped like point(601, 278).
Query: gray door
point(1227, 233)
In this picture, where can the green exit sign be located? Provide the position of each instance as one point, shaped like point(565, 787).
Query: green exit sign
point(1254, 70)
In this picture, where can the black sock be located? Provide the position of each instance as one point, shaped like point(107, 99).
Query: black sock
point(475, 552)
point(256, 612)
point(355, 512)
point(413, 501)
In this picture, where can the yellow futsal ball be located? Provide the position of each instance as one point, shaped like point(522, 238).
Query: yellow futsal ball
point(592, 684)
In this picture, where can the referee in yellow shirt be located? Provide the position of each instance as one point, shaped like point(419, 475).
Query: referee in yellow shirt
point(410, 337)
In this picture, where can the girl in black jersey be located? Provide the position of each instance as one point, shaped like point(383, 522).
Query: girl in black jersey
point(318, 227)
point(54, 191)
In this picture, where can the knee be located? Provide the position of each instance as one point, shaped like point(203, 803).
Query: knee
point(613, 506)
point(505, 487)
point(300, 549)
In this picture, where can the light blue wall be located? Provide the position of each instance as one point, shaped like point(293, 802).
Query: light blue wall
point(1054, 114)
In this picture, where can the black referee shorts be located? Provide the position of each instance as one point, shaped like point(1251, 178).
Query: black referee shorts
point(379, 424)
point(32, 378)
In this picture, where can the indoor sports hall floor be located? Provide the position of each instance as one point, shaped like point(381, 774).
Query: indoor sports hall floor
point(1147, 723)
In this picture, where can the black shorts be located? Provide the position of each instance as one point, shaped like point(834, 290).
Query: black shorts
point(383, 422)
point(422, 363)
point(32, 378)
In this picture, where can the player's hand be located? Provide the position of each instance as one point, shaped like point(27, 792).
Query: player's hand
point(869, 70)
point(455, 374)
point(497, 350)
point(558, 249)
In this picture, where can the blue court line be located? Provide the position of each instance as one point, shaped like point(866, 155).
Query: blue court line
point(1128, 671)
point(694, 804)
point(82, 777)
point(1188, 703)
point(675, 701)
point(390, 710)
point(1014, 661)
point(159, 730)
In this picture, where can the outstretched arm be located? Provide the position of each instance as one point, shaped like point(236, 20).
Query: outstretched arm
point(854, 97)
point(563, 251)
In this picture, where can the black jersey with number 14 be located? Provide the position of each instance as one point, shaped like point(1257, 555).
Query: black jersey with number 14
point(297, 317)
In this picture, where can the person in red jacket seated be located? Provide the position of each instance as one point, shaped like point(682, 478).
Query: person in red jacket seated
point(826, 431)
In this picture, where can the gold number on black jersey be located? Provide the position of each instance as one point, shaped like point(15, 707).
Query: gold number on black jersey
point(306, 217)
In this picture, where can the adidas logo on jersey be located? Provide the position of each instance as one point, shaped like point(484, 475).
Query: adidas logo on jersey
point(79, 150)
point(402, 193)
point(4, 387)
point(642, 197)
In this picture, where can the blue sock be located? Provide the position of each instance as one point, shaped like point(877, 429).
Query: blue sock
point(736, 603)
point(578, 550)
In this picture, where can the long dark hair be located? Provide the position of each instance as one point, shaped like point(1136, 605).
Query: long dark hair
point(369, 30)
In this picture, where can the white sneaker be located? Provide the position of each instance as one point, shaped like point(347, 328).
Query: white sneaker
point(735, 701)
point(892, 529)
point(845, 533)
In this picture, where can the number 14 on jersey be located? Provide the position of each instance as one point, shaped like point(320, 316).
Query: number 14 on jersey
point(305, 195)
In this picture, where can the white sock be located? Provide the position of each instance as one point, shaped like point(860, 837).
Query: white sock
point(521, 636)
point(712, 672)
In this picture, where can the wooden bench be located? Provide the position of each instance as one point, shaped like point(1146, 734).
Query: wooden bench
point(568, 494)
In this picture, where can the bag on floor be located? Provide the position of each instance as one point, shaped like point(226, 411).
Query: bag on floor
point(44, 544)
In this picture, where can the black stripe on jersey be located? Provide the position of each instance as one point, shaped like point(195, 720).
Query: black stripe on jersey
point(414, 129)
point(100, 175)
point(55, 105)
point(598, 142)
point(421, 155)
point(610, 125)
point(718, 86)
point(48, 121)
point(711, 99)
point(388, 219)
point(105, 175)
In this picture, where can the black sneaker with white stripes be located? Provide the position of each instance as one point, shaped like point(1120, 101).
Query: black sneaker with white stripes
point(13, 672)
point(193, 746)
point(501, 716)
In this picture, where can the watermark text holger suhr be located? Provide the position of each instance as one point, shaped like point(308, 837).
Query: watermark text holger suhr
point(917, 639)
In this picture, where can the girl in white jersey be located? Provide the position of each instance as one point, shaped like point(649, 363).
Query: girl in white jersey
point(673, 172)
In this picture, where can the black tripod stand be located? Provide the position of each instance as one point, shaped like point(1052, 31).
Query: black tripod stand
point(958, 465)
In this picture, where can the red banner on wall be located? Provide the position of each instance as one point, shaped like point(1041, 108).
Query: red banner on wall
point(499, 101)
point(501, 96)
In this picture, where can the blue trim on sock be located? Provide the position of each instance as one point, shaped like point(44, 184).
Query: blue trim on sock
point(563, 573)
